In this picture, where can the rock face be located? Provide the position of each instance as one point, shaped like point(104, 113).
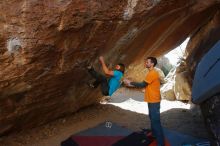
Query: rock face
point(211, 110)
point(44, 46)
point(167, 90)
point(200, 43)
point(164, 64)
point(177, 86)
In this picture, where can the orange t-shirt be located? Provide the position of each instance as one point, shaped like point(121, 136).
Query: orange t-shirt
point(152, 91)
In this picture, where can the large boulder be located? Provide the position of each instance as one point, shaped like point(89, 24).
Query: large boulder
point(177, 86)
point(45, 46)
point(200, 43)
point(167, 89)
point(164, 64)
point(182, 89)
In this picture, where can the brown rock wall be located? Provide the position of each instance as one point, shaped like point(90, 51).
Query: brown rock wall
point(45, 44)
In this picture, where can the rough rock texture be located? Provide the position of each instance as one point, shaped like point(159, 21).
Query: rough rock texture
point(164, 64)
point(44, 46)
point(182, 88)
point(199, 44)
point(167, 90)
point(177, 86)
point(211, 112)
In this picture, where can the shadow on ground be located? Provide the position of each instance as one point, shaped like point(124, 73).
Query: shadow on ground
point(53, 133)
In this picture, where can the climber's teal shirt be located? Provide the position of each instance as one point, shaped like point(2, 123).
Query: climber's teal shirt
point(115, 81)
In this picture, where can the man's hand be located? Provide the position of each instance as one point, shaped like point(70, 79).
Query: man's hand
point(101, 59)
point(127, 82)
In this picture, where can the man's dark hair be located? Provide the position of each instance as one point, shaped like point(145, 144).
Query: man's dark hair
point(153, 60)
point(122, 67)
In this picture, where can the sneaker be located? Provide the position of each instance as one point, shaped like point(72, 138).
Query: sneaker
point(105, 99)
point(91, 85)
point(108, 98)
point(89, 67)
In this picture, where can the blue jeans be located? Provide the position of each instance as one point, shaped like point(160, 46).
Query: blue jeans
point(157, 131)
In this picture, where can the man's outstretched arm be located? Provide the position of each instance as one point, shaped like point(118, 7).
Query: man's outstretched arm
point(129, 83)
point(104, 67)
point(139, 84)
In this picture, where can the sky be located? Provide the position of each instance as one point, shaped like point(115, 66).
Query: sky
point(177, 52)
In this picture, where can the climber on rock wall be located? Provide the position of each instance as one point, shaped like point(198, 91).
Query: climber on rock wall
point(109, 82)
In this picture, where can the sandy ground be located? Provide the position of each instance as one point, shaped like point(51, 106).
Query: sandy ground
point(126, 108)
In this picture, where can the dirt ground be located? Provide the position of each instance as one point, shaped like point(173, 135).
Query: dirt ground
point(126, 108)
